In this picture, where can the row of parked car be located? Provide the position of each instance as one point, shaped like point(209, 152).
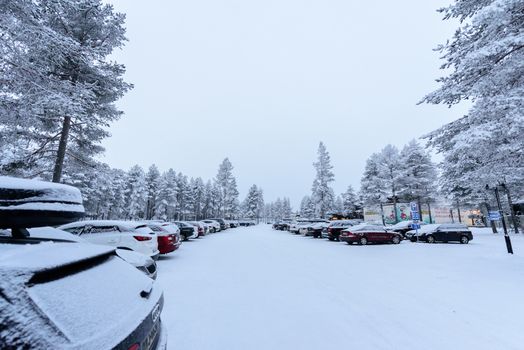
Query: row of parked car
point(359, 232)
point(70, 283)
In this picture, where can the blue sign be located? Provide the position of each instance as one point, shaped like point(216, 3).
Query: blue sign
point(415, 226)
point(494, 215)
point(414, 206)
point(415, 215)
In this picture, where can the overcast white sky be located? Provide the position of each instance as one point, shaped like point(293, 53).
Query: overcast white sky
point(263, 81)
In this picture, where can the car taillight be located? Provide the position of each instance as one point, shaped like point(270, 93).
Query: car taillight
point(142, 238)
point(135, 346)
point(200, 230)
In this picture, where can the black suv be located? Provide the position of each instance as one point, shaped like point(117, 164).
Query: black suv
point(57, 294)
point(442, 233)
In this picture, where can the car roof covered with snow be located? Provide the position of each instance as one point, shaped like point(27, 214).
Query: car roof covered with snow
point(128, 225)
point(366, 227)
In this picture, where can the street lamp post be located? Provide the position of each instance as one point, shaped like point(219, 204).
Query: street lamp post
point(506, 235)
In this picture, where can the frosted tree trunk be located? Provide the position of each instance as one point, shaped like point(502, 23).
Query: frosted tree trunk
point(62, 146)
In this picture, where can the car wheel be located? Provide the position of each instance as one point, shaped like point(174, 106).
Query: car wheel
point(430, 239)
point(363, 241)
point(396, 240)
point(464, 240)
point(331, 238)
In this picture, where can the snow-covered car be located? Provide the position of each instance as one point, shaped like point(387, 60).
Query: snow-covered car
point(207, 227)
point(200, 229)
point(313, 228)
point(222, 223)
point(215, 225)
point(246, 223)
point(441, 233)
point(332, 232)
point(59, 294)
point(51, 234)
point(187, 230)
point(404, 226)
point(132, 235)
point(168, 236)
point(294, 226)
point(301, 224)
point(365, 233)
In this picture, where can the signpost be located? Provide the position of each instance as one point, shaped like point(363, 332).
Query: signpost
point(494, 215)
point(415, 216)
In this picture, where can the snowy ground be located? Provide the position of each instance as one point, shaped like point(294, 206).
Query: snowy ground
point(255, 288)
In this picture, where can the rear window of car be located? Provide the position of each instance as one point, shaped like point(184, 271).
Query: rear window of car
point(143, 229)
point(74, 230)
point(112, 288)
point(103, 229)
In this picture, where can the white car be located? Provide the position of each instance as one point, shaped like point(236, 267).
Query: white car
point(132, 235)
point(140, 261)
point(207, 227)
point(214, 224)
point(295, 226)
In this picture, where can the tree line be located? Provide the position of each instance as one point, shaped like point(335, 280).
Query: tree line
point(138, 194)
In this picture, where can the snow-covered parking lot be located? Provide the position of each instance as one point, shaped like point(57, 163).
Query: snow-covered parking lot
point(255, 288)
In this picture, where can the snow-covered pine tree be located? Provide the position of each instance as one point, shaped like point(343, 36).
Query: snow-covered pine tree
point(278, 209)
point(152, 183)
point(166, 201)
point(136, 193)
point(182, 196)
point(418, 177)
point(58, 87)
point(207, 204)
point(287, 210)
point(261, 204)
point(322, 194)
point(196, 197)
point(253, 204)
point(226, 183)
point(350, 202)
point(485, 59)
point(307, 208)
point(373, 190)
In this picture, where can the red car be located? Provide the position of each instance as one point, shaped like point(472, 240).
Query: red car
point(365, 233)
point(199, 228)
point(168, 236)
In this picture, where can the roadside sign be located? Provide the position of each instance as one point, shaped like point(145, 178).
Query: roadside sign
point(414, 206)
point(494, 216)
point(415, 215)
point(415, 226)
